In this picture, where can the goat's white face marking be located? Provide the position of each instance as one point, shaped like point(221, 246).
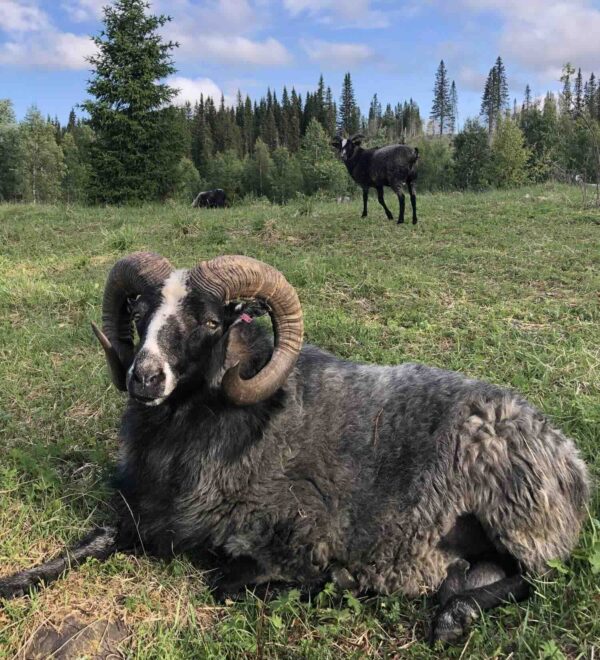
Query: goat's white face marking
point(344, 150)
point(172, 294)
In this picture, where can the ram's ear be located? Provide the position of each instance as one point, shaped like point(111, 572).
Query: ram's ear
point(336, 142)
point(237, 350)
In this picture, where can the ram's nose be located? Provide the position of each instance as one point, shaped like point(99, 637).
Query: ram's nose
point(146, 380)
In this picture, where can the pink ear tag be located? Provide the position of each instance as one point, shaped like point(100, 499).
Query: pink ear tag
point(246, 318)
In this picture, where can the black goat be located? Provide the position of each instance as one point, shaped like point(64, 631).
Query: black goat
point(210, 199)
point(393, 166)
point(289, 465)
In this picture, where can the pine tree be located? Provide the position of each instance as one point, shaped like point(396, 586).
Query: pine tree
point(527, 98)
point(566, 98)
point(578, 100)
point(453, 120)
point(320, 108)
point(471, 156)
point(502, 97)
point(591, 89)
point(330, 113)
point(495, 95)
point(349, 114)
point(11, 153)
point(138, 148)
point(77, 171)
point(374, 115)
point(440, 109)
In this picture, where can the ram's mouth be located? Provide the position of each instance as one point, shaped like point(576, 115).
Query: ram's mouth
point(147, 400)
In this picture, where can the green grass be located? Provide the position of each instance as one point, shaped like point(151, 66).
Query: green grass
point(502, 286)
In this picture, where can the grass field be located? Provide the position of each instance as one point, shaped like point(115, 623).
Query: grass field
point(502, 286)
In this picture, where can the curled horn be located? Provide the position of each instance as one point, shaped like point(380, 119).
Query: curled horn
point(357, 139)
point(129, 277)
point(230, 278)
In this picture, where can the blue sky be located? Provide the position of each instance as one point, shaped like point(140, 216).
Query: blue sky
point(392, 48)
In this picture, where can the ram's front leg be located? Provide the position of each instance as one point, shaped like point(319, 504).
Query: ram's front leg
point(100, 544)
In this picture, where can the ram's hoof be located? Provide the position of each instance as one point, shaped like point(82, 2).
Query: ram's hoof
point(414, 221)
point(454, 620)
point(343, 579)
point(401, 221)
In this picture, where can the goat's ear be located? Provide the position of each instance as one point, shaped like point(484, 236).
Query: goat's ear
point(237, 350)
point(336, 142)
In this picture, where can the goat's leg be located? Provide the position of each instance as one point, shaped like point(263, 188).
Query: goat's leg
point(413, 201)
point(462, 609)
point(398, 189)
point(99, 544)
point(365, 200)
point(382, 202)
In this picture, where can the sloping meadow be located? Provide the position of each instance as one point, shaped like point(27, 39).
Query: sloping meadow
point(501, 286)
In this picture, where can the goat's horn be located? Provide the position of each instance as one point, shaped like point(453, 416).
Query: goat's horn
point(129, 277)
point(230, 278)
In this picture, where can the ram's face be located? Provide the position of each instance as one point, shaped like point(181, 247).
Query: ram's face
point(179, 331)
point(185, 322)
point(346, 149)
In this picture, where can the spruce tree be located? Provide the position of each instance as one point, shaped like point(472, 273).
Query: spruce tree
point(495, 95)
point(11, 153)
point(349, 114)
point(440, 109)
point(527, 98)
point(330, 113)
point(471, 156)
point(375, 115)
point(453, 121)
point(591, 89)
point(578, 100)
point(566, 98)
point(138, 148)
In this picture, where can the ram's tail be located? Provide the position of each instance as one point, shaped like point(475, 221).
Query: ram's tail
point(100, 544)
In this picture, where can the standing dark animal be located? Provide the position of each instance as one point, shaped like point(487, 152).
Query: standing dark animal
point(290, 465)
point(393, 166)
point(210, 199)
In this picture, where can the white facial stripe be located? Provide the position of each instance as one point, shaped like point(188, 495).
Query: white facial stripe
point(344, 142)
point(172, 293)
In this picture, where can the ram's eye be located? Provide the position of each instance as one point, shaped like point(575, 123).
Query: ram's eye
point(211, 324)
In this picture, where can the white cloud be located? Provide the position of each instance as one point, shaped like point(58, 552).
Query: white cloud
point(50, 50)
point(544, 34)
point(190, 89)
point(336, 54)
point(240, 50)
point(222, 31)
point(19, 16)
point(341, 13)
point(84, 10)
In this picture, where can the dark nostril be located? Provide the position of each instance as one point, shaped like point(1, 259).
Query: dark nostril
point(155, 378)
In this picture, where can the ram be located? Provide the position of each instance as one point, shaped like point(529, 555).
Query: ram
point(292, 466)
point(210, 199)
point(393, 166)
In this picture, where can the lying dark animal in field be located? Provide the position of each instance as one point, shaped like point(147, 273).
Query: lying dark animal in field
point(210, 199)
point(393, 166)
point(292, 466)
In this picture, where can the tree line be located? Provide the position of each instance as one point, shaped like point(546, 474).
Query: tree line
point(135, 145)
